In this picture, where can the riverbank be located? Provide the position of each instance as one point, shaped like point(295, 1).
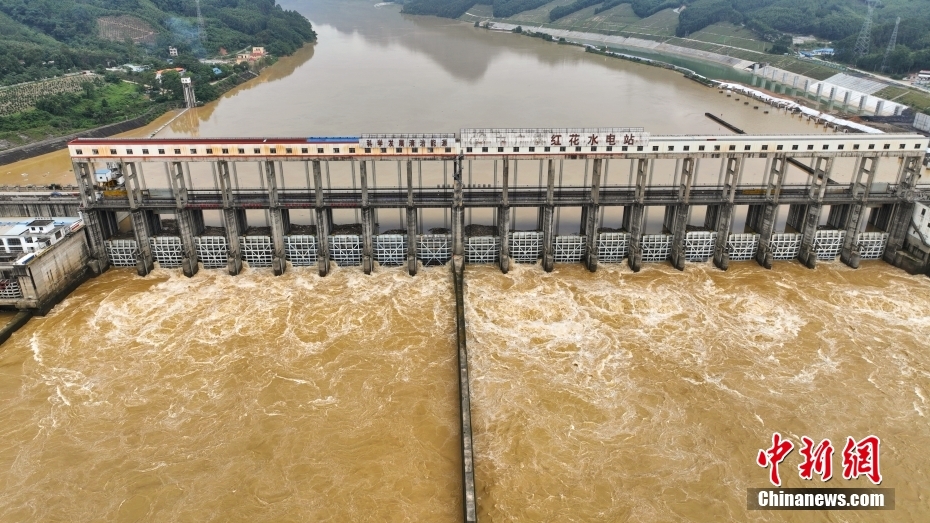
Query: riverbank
point(156, 110)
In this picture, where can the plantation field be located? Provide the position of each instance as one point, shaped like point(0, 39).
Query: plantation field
point(72, 112)
point(916, 99)
point(21, 97)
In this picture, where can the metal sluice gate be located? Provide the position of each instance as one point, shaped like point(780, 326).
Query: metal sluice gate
point(525, 247)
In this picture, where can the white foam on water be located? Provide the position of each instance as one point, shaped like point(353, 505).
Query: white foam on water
point(620, 396)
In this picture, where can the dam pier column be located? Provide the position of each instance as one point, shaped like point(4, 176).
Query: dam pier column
point(368, 222)
point(589, 216)
point(855, 212)
point(94, 223)
point(503, 219)
point(234, 220)
point(547, 225)
point(458, 217)
point(720, 217)
point(411, 224)
point(324, 221)
point(903, 213)
point(633, 217)
point(141, 219)
point(817, 186)
point(677, 215)
point(145, 262)
point(280, 220)
point(188, 223)
point(761, 218)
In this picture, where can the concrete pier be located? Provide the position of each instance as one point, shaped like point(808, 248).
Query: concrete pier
point(324, 220)
point(589, 216)
point(810, 219)
point(762, 217)
point(855, 212)
point(503, 218)
point(677, 215)
point(903, 212)
point(412, 241)
point(279, 219)
point(190, 224)
point(546, 223)
point(235, 223)
point(96, 225)
point(633, 216)
point(719, 217)
point(141, 227)
point(368, 221)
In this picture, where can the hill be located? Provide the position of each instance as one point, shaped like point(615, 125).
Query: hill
point(836, 21)
point(44, 38)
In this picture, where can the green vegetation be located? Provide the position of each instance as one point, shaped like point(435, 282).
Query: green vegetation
point(767, 22)
point(565, 10)
point(98, 102)
point(45, 38)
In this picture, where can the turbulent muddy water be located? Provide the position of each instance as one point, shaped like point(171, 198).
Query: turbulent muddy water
point(597, 397)
point(645, 397)
point(252, 398)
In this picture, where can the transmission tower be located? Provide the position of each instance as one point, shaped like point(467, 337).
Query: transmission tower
point(865, 34)
point(200, 29)
point(890, 48)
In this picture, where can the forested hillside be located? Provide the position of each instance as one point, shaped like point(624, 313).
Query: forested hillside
point(43, 38)
point(838, 21)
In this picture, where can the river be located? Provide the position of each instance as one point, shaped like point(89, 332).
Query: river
point(609, 396)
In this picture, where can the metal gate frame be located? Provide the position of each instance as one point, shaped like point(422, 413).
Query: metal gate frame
point(213, 251)
point(346, 249)
point(390, 249)
point(871, 245)
point(434, 249)
point(568, 249)
point(828, 244)
point(10, 289)
point(122, 253)
point(257, 251)
point(613, 247)
point(301, 250)
point(785, 246)
point(656, 247)
point(699, 245)
point(482, 249)
point(525, 247)
point(742, 247)
point(167, 251)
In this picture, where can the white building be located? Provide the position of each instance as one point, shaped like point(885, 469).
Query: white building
point(172, 51)
point(33, 235)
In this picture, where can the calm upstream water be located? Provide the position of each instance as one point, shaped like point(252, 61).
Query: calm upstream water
point(610, 396)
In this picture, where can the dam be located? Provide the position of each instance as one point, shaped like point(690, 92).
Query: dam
point(839, 202)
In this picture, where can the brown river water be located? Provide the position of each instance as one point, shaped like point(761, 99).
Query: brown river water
point(609, 396)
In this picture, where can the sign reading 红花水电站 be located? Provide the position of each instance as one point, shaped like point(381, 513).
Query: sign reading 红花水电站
point(370, 141)
point(564, 137)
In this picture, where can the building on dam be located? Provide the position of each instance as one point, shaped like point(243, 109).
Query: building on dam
point(41, 260)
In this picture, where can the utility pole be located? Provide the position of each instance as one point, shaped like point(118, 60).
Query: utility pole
point(865, 34)
point(891, 43)
point(200, 28)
